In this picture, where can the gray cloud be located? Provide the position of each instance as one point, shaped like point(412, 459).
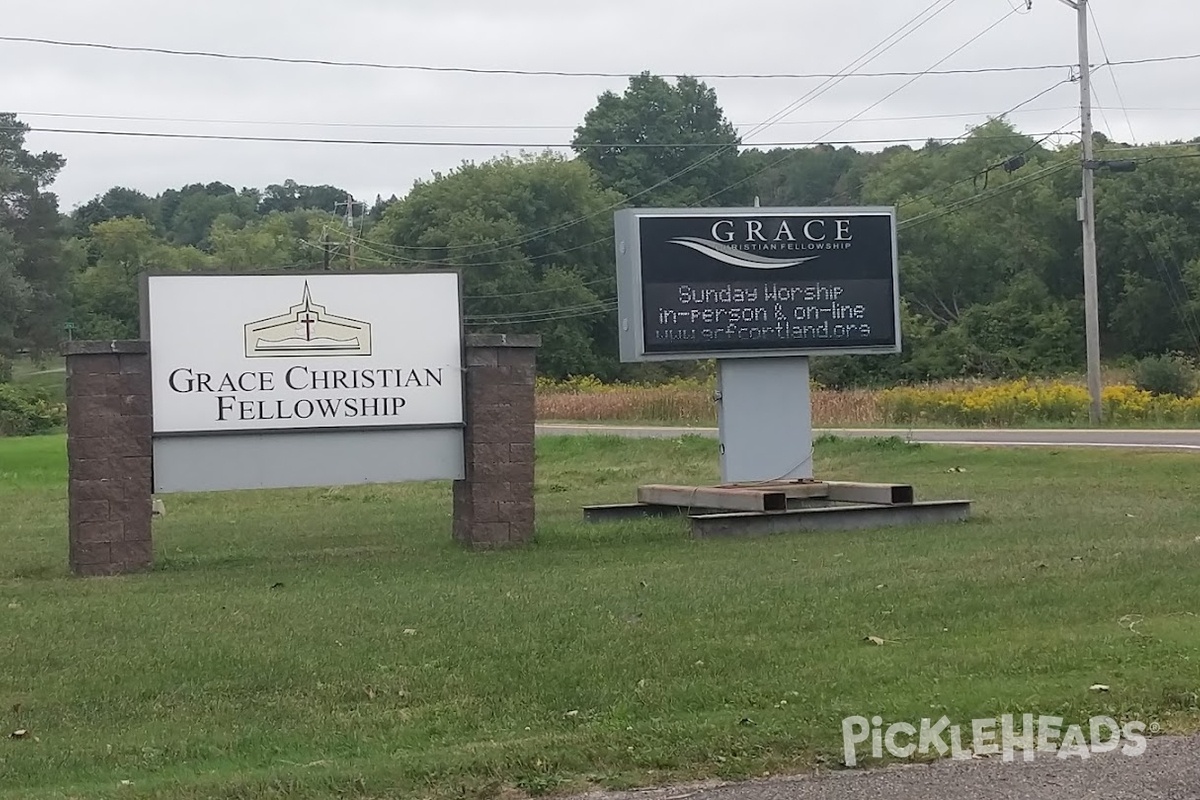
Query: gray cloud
point(697, 36)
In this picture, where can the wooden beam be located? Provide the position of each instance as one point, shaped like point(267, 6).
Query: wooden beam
point(885, 494)
point(794, 490)
point(725, 499)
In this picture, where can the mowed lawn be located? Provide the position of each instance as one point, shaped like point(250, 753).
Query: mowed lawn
point(336, 642)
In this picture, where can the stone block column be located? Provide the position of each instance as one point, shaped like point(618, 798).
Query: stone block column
point(109, 457)
point(493, 506)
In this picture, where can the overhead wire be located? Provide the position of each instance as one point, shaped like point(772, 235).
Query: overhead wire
point(530, 315)
point(1111, 72)
point(915, 75)
point(911, 26)
point(516, 315)
point(381, 249)
point(548, 315)
point(498, 126)
point(1155, 146)
point(330, 62)
point(1171, 272)
point(550, 290)
point(896, 91)
point(844, 75)
point(975, 176)
point(916, 23)
point(435, 143)
point(986, 170)
point(889, 42)
point(984, 196)
point(954, 208)
point(1149, 159)
point(903, 225)
point(893, 93)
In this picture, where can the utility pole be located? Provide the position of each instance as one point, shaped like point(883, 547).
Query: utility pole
point(1087, 216)
point(349, 204)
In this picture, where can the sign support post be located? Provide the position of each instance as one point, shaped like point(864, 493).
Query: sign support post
point(764, 413)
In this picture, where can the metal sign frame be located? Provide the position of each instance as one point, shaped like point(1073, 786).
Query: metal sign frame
point(630, 306)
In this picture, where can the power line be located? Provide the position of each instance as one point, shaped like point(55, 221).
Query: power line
point(551, 290)
point(926, 72)
point(998, 165)
point(908, 28)
point(605, 306)
point(985, 196)
point(516, 315)
point(914, 24)
point(608, 304)
point(983, 173)
point(1111, 73)
point(503, 127)
point(922, 18)
point(1097, 107)
point(488, 127)
point(870, 55)
point(223, 137)
point(787, 156)
point(1148, 159)
point(875, 52)
point(326, 62)
point(829, 85)
point(547, 73)
point(1179, 293)
point(1159, 146)
point(1002, 164)
point(392, 255)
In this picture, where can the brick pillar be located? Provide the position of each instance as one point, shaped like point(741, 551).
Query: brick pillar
point(493, 506)
point(109, 457)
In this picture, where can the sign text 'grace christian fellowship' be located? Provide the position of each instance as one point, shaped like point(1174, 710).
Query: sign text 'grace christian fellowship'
point(282, 352)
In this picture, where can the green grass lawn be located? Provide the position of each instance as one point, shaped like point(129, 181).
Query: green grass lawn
point(336, 642)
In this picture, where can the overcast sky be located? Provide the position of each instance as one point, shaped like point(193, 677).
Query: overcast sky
point(663, 36)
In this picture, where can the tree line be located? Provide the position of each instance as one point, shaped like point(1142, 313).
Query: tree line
point(990, 245)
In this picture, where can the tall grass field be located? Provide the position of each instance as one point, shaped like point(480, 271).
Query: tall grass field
point(966, 403)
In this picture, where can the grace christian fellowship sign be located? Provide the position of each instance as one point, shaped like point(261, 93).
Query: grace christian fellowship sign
point(258, 353)
point(721, 283)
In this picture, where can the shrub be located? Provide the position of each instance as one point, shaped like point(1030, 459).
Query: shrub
point(24, 412)
point(1024, 402)
point(6, 368)
point(1165, 375)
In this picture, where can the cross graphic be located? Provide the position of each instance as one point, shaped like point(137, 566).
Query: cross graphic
point(308, 320)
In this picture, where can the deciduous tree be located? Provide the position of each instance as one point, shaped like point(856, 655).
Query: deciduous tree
point(697, 163)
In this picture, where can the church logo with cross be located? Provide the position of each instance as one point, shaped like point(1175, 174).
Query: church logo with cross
point(307, 329)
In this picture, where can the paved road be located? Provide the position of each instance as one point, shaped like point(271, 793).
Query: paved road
point(1168, 770)
point(1186, 440)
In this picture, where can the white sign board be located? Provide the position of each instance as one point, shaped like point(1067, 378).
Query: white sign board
point(255, 353)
